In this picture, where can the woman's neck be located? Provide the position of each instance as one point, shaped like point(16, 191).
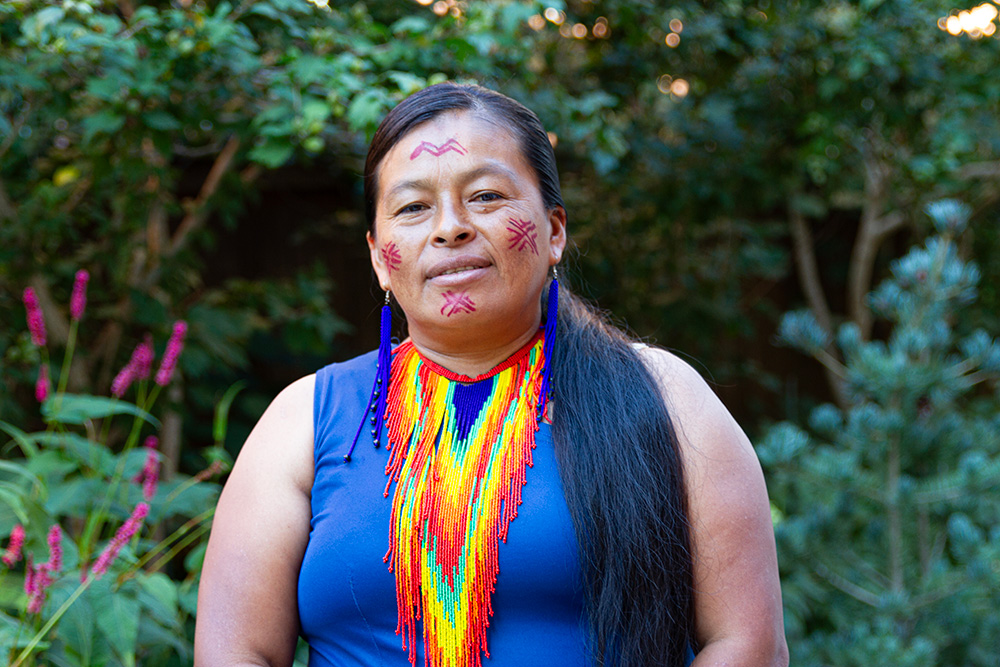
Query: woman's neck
point(467, 354)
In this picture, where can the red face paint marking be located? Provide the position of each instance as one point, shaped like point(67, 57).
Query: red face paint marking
point(450, 145)
point(522, 235)
point(457, 303)
point(391, 257)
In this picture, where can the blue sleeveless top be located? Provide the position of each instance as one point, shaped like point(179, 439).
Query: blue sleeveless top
point(346, 593)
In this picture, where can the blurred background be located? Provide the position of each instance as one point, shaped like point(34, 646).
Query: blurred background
point(742, 180)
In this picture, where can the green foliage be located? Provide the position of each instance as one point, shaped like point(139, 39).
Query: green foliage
point(86, 496)
point(888, 537)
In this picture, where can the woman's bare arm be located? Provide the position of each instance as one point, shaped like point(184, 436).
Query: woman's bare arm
point(738, 610)
point(247, 600)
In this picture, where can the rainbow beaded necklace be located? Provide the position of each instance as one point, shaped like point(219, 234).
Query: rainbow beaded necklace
point(459, 450)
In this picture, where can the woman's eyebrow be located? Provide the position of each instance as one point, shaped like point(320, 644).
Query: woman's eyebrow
point(492, 169)
point(418, 184)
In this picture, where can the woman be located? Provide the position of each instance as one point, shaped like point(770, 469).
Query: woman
point(548, 492)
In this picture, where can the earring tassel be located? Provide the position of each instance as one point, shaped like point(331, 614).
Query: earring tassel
point(380, 388)
point(551, 315)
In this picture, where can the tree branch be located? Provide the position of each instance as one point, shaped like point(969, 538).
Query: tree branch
point(197, 211)
point(872, 231)
point(980, 170)
point(808, 272)
point(805, 261)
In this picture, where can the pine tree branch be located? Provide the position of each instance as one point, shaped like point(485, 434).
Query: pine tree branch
point(844, 585)
point(866, 568)
point(894, 517)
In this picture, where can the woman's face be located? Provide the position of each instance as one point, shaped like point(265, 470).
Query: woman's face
point(462, 237)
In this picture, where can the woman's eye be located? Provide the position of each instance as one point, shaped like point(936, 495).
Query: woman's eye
point(411, 208)
point(487, 196)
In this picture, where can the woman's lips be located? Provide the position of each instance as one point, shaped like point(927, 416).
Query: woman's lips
point(458, 270)
point(460, 277)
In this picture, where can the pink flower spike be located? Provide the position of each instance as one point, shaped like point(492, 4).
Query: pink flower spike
point(149, 476)
point(36, 322)
point(78, 302)
point(30, 578)
point(142, 358)
point(122, 381)
point(149, 485)
point(55, 549)
point(43, 387)
point(13, 552)
point(174, 347)
point(122, 536)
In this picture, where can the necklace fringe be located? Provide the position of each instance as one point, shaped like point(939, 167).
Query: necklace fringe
point(459, 448)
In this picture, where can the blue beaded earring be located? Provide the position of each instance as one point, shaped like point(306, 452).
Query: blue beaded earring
point(551, 315)
point(375, 412)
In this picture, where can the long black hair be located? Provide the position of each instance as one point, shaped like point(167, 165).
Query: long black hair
point(618, 455)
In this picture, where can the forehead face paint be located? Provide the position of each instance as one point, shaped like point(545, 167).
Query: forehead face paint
point(426, 146)
point(391, 256)
point(457, 302)
point(522, 235)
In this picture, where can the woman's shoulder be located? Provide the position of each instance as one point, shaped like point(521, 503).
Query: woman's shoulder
point(702, 422)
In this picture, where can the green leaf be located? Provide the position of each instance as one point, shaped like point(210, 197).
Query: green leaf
point(75, 497)
point(118, 621)
point(107, 88)
point(22, 471)
point(221, 420)
point(35, 25)
point(23, 440)
point(102, 122)
point(414, 24)
point(272, 153)
point(365, 109)
point(160, 120)
point(158, 596)
point(81, 408)
point(85, 452)
point(76, 627)
point(407, 83)
point(16, 504)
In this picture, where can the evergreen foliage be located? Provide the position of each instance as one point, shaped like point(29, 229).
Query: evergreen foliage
point(889, 509)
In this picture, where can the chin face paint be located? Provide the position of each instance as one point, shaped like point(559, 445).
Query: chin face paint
point(457, 302)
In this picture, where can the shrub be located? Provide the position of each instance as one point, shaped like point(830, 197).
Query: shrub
point(890, 537)
point(102, 563)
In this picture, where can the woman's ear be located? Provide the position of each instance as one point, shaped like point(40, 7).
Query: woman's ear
point(557, 234)
point(378, 263)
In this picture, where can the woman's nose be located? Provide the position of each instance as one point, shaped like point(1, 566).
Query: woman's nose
point(453, 226)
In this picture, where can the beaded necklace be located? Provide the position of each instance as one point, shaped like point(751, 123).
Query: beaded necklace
point(459, 448)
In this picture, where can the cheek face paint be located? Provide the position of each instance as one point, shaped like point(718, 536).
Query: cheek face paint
point(457, 302)
point(437, 151)
point(522, 235)
point(391, 256)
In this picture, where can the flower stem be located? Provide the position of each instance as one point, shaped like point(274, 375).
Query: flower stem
point(52, 621)
point(67, 358)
